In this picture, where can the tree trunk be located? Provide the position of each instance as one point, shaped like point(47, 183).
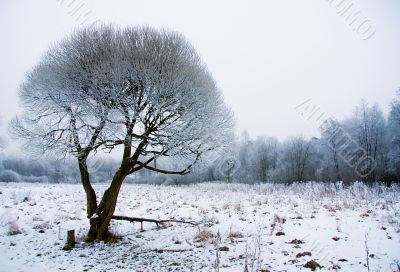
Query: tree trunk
point(70, 244)
point(91, 200)
point(336, 162)
point(100, 221)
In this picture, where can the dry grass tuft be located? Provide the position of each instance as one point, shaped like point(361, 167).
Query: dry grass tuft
point(235, 234)
point(238, 206)
point(204, 236)
point(13, 229)
point(226, 206)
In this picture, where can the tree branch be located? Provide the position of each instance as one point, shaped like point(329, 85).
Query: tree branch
point(183, 172)
point(157, 222)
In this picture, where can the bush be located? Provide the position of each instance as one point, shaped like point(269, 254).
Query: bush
point(9, 176)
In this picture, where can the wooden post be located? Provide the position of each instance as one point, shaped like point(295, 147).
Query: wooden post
point(70, 244)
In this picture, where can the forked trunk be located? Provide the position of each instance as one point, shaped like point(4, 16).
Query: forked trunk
point(90, 193)
point(100, 221)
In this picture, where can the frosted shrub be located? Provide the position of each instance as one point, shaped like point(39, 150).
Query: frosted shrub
point(9, 176)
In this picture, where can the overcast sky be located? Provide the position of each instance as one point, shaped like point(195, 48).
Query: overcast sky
point(267, 56)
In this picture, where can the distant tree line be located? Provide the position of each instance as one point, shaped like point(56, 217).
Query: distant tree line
point(334, 156)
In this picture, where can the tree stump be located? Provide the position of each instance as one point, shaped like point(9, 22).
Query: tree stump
point(70, 244)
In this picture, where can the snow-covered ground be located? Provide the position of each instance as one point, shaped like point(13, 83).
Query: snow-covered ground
point(261, 227)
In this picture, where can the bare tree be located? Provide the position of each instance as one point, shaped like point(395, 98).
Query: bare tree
point(394, 132)
point(369, 128)
point(170, 106)
point(2, 143)
point(261, 158)
point(66, 100)
point(266, 157)
point(142, 89)
point(296, 159)
point(332, 147)
point(395, 111)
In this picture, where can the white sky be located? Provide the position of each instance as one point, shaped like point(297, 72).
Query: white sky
point(267, 56)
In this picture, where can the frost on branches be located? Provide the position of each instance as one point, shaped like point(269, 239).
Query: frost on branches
point(141, 89)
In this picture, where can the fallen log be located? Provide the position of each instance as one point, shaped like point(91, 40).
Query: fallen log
point(172, 250)
point(157, 222)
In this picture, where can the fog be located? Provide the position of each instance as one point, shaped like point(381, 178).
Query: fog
point(267, 56)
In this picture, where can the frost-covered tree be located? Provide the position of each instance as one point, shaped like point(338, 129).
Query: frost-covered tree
point(140, 89)
point(66, 99)
point(262, 158)
point(394, 135)
point(169, 106)
point(296, 159)
point(368, 127)
point(331, 150)
point(2, 142)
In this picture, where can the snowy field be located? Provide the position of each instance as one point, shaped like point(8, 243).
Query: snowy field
point(261, 227)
